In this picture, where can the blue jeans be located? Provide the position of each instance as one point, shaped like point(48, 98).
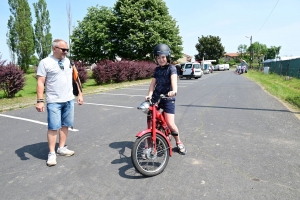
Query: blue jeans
point(60, 114)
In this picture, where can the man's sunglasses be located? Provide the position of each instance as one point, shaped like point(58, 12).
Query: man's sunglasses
point(61, 65)
point(63, 50)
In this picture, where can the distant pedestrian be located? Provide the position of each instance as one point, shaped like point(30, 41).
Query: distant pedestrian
point(55, 73)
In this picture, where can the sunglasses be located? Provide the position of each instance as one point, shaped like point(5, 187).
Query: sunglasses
point(62, 49)
point(61, 65)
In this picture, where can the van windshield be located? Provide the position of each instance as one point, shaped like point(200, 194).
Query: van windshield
point(197, 66)
point(188, 66)
point(206, 66)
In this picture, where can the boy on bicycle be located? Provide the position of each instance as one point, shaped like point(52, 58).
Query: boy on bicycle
point(164, 81)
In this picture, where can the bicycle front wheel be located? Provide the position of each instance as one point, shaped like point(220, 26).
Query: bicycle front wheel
point(144, 158)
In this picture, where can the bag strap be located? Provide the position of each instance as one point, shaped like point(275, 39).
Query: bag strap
point(76, 77)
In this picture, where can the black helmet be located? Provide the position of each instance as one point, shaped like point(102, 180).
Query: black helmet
point(162, 49)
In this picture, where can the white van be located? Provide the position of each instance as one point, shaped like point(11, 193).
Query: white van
point(226, 66)
point(206, 66)
point(221, 67)
point(191, 70)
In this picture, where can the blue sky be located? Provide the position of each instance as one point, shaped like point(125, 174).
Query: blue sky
point(270, 22)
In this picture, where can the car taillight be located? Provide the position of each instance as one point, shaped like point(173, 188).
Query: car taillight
point(193, 69)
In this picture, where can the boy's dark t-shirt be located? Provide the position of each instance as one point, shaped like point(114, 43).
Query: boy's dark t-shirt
point(163, 80)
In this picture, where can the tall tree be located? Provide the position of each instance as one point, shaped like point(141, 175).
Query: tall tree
point(11, 38)
point(12, 34)
point(258, 50)
point(43, 37)
point(24, 38)
point(271, 53)
point(90, 39)
point(140, 25)
point(130, 30)
point(209, 47)
point(242, 49)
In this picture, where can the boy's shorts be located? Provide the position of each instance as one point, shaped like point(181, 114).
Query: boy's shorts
point(60, 114)
point(167, 105)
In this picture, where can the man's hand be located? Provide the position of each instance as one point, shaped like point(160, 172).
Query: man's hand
point(40, 107)
point(80, 99)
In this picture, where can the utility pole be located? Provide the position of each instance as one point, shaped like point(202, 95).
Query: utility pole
point(251, 51)
point(69, 25)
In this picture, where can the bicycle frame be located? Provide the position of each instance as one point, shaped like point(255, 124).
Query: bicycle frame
point(154, 118)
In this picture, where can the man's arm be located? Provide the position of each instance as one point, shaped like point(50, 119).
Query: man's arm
point(80, 95)
point(40, 105)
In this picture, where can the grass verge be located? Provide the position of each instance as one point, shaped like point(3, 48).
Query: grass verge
point(283, 88)
point(27, 96)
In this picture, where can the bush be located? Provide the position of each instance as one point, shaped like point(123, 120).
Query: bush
point(115, 72)
point(12, 79)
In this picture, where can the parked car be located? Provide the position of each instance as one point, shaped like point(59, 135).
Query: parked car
point(191, 70)
point(206, 68)
point(226, 66)
point(216, 68)
point(221, 67)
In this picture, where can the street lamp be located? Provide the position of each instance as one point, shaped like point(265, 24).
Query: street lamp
point(251, 56)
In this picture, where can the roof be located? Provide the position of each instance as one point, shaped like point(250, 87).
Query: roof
point(232, 54)
point(281, 58)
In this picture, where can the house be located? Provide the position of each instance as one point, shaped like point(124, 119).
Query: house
point(185, 58)
point(230, 56)
point(236, 56)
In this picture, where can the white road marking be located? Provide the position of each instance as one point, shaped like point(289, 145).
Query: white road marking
point(132, 89)
point(98, 104)
point(131, 95)
point(33, 121)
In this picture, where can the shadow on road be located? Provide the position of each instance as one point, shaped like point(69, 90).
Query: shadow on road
point(127, 171)
point(38, 150)
point(223, 107)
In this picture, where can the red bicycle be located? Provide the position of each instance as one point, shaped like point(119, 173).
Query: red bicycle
point(152, 148)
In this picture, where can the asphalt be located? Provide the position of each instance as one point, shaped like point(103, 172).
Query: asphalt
point(242, 144)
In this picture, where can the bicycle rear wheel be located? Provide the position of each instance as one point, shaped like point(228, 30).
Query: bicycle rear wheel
point(143, 158)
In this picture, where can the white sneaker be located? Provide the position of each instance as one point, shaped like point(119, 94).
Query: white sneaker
point(64, 151)
point(51, 159)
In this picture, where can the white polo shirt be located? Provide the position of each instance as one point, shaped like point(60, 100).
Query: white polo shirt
point(58, 83)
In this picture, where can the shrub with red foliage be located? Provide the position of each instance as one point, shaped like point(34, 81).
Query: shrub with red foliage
point(12, 79)
point(82, 72)
point(108, 71)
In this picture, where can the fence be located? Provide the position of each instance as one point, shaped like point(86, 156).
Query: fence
point(285, 67)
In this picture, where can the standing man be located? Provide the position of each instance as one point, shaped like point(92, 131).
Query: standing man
point(55, 72)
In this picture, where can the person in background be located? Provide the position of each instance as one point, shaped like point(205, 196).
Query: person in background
point(55, 73)
point(164, 81)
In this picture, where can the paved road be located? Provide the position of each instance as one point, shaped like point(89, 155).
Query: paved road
point(242, 144)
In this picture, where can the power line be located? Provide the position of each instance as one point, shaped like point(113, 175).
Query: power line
point(268, 16)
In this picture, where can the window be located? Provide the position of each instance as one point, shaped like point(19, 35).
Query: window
point(188, 66)
point(197, 66)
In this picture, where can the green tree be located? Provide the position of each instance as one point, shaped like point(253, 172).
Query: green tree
point(43, 37)
point(242, 49)
point(24, 39)
point(11, 38)
point(140, 25)
point(34, 60)
point(91, 38)
point(210, 48)
point(258, 50)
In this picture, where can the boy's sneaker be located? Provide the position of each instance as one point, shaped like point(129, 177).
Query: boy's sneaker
point(64, 151)
point(51, 159)
point(181, 148)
